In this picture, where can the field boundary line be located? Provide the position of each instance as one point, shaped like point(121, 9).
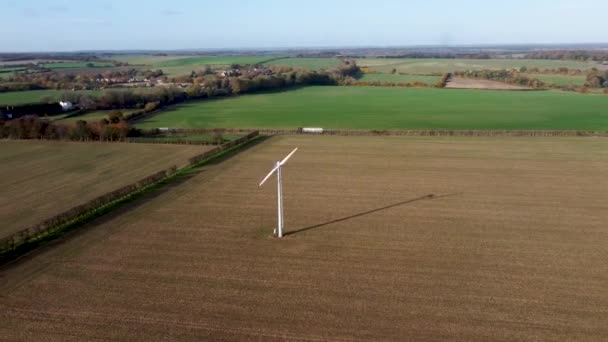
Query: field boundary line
point(25, 240)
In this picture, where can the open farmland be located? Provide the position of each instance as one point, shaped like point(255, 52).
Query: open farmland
point(392, 108)
point(35, 96)
point(145, 59)
point(512, 246)
point(310, 63)
point(78, 65)
point(390, 78)
point(43, 179)
point(562, 80)
point(184, 66)
point(430, 66)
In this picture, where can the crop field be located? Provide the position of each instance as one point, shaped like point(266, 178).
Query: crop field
point(430, 66)
point(42, 179)
point(389, 78)
point(560, 79)
point(392, 108)
point(428, 238)
point(307, 63)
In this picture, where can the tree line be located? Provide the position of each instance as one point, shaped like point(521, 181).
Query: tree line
point(34, 127)
point(48, 79)
point(577, 55)
point(505, 76)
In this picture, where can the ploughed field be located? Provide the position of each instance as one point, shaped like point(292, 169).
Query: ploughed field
point(392, 108)
point(43, 179)
point(389, 237)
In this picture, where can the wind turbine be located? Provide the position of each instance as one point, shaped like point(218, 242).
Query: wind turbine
point(277, 169)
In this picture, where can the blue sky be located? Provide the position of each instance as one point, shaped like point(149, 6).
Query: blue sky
point(67, 25)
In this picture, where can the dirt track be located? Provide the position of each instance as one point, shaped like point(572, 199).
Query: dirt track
point(469, 83)
point(512, 247)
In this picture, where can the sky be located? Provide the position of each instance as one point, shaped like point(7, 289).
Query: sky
point(73, 25)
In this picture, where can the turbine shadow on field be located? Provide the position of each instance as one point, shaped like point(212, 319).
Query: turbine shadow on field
point(430, 196)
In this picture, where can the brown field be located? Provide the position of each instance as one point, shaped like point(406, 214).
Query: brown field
point(469, 83)
point(512, 246)
point(42, 179)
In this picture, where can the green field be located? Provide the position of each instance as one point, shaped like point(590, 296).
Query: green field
point(73, 65)
point(34, 96)
point(393, 108)
point(145, 59)
point(430, 66)
point(214, 60)
point(389, 78)
point(183, 66)
point(6, 72)
point(307, 63)
point(562, 80)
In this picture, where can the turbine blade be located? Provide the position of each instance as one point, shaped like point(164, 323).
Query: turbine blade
point(289, 156)
point(270, 174)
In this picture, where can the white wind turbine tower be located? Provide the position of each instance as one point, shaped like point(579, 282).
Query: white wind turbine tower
point(277, 169)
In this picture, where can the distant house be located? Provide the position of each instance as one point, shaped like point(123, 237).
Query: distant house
point(230, 73)
point(66, 106)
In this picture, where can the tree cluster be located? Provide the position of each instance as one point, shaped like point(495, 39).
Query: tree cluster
point(78, 81)
point(506, 76)
point(597, 79)
point(126, 99)
point(33, 127)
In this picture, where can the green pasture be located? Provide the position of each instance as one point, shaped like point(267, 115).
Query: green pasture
point(390, 78)
point(560, 79)
point(431, 66)
point(392, 108)
point(214, 60)
point(35, 96)
point(307, 63)
point(145, 59)
point(184, 66)
point(74, 65)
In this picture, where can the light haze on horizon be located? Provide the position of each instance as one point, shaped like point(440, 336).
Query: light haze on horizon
point(70, 25)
